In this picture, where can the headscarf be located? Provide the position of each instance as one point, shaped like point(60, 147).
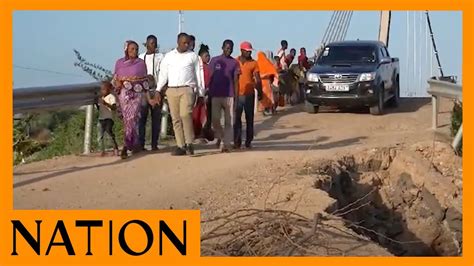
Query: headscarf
point(132, 70)
point(126, 45)
point(265, 66)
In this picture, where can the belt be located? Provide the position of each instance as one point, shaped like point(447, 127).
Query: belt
point(175, 87)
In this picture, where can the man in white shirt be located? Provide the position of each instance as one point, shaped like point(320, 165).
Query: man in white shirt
point(180, 70)
point(282, 54)
point(152, 59)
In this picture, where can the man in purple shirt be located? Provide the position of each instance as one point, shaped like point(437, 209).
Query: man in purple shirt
point(223, 88)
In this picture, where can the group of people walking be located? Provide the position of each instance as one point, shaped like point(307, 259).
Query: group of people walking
point(198, 91)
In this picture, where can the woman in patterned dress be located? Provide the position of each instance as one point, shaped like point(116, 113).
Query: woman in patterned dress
point(131, 82)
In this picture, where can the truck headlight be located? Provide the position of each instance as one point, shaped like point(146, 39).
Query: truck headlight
point(312, 77)
point(367, 76)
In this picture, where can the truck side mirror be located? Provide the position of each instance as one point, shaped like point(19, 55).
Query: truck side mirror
point(384, 61)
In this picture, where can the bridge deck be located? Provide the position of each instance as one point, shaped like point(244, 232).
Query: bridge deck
point(160, 181)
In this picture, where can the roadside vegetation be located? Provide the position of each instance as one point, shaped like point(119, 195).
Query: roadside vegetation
point(47, 135)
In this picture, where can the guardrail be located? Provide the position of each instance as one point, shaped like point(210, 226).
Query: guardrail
point(42, 99)
point(444, 89)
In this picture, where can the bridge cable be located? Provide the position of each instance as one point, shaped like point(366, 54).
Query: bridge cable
point(327, 28)
point(343, 26)
point(434, 43)
point(330, 26)
point(335, 26)
point(327, 33)
point(347, 25)
point(338, 29)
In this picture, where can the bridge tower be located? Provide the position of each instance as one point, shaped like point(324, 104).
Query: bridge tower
point(384, 29)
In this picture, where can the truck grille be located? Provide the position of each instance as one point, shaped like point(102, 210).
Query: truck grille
point(338, 78)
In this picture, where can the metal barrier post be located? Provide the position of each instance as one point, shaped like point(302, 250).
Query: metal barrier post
point(88, 129)
point(164, 120)
point(435, 105)
point(457, 138)
point(442, 89)
point(439, 89)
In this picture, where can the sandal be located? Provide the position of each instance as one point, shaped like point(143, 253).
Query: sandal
point(124, 154)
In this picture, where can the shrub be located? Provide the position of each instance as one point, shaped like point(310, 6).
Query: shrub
point(23, 145)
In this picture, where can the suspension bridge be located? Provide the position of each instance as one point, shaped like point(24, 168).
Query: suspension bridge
point(421, 54)
point(422, 63)
point(94, 182)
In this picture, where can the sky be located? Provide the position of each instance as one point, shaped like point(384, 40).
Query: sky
point(45, 39)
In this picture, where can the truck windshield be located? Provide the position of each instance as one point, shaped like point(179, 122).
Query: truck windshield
point(332, 55)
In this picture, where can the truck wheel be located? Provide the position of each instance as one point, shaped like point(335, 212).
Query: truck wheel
point(310, 108)
point(395, 100)
point(378, 108)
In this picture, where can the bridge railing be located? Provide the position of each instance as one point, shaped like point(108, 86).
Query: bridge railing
point(41, 99)
point(50, 98)
point(53, 98)
point(444, 89)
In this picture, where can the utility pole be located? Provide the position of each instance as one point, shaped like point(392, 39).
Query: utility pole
point(180, 21)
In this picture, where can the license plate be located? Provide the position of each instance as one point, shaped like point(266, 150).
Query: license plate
point(336, 87)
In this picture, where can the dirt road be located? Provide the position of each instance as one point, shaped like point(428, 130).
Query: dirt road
point(210, 180)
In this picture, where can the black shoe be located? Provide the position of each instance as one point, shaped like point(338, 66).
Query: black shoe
point(138, 150)
point(179, 152)
point(124, 154)
point(248, 145)
point(189, 149)
point(155, 148)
